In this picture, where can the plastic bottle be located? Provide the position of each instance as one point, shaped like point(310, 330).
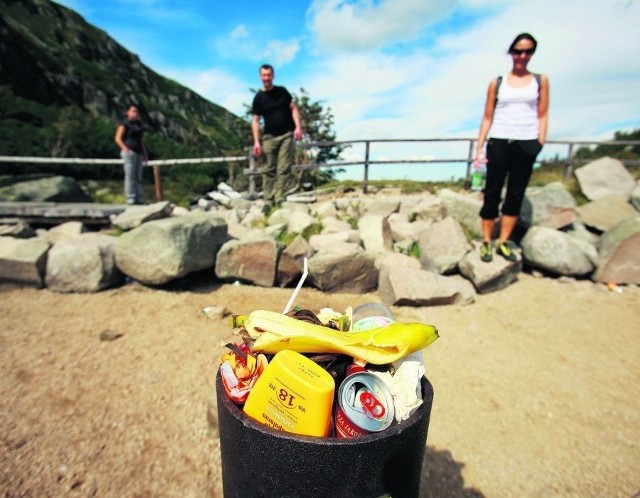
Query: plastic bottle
point(371, 315)
point(479, 173)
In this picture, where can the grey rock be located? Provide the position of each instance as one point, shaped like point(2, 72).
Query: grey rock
point(375, 233)
point(620, 254)
point(442, 246)
point(324, 209)
point(252, 260)
point(68, 230)
point(50, 189)
point(381, 206)
point(430, 207)
point(551, 206)
point(85, 263)
point(331, 224)
point(604, 177)
point(399, 287)
point(557, 252)
point(606, 212)
point(299, 221)
point(134, 216)
point(397, 260)
point(162, 250)
point(489, 277)
point(291, 262)
point(279, 217)
point(20, 230)
point(464, 208)
point(345, 268)
point(23, 260)
point(327, 241)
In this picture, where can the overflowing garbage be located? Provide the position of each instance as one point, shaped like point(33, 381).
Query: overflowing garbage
point(327, 374)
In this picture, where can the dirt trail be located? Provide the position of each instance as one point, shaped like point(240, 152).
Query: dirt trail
point(536, 390)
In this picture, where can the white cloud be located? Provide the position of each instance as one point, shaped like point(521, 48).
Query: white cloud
point(239, 44)
point(240, 31)
point(280, 52)
point(364, 25)
point(587, 48)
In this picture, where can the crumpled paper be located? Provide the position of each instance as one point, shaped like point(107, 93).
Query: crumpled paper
point(405, 385)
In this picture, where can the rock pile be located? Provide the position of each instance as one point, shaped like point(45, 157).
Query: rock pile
point(415, 250)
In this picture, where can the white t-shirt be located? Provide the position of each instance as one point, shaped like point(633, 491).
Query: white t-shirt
point(516, 112)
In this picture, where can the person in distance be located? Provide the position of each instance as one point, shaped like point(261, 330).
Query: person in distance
point(514, 127)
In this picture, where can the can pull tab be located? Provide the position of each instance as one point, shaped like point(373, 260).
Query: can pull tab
point(372, 405)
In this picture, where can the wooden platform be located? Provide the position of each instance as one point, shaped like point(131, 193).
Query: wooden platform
point(54, 213)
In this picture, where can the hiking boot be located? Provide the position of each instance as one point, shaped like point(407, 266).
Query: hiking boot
point(485, 252)
point(505, 251)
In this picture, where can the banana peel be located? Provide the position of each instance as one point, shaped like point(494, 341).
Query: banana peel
point(274, 332)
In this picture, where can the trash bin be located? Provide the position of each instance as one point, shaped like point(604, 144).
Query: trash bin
point(258, 461)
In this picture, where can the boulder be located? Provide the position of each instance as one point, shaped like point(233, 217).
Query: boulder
point(324, 209)
point(620, 254)
point(398, 260)
point(23, 260)
point(327, 241)
point(49, 189)
point(464, 208)
point(68, 230)
point(85, 263)
point(399, 287)
point(606, 212)
point(551, 206)
point(162, 250)
point(251, 259)
point(21, 230)
point(344, 268)
point(442, 246)
point(492, 276)
point(331, 224)
point(381, 206)
point(604, 177)
point(291, 262)
point(430, 207)
point(375, 233)
point(134, 216)
point(558, 252)
point(299, 221)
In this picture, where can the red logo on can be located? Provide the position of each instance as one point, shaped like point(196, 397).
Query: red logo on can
point(346, 428)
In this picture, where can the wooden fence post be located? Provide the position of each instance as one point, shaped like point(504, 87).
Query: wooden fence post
point(157, 183)
point(365, 183)
point(568, 170)
point(467, 176)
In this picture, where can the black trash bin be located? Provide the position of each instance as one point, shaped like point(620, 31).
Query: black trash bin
point(258, 461)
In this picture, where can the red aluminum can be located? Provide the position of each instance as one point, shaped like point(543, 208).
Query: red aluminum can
point(365, 405)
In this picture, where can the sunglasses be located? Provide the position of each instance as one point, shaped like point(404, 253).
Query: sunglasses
point(529, 51)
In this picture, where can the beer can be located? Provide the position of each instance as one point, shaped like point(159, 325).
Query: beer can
point(365, 405)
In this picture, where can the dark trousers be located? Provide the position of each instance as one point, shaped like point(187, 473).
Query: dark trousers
point(511, 160)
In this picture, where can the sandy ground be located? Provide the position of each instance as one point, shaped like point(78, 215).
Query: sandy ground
point(536, 389)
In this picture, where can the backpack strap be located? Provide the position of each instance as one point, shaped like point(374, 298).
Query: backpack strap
point(499, 82)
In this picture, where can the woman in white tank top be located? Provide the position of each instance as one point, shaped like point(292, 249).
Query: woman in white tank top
point(514, 128)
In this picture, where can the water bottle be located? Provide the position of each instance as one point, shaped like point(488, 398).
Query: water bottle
point(479, 174)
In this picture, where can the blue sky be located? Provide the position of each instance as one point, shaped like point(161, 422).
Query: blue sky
point(394, 68)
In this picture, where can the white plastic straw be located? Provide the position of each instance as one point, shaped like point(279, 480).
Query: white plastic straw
point(297, 289)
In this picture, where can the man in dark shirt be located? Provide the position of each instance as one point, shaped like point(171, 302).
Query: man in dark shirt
point(281, 127)
point(133, 153)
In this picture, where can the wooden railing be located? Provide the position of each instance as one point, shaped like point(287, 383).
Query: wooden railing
point(366, 162)
point(568, 159)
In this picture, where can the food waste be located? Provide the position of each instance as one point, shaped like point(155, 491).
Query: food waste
point(310, 374)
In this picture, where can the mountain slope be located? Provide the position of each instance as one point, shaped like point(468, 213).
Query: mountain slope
point(64, 84)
